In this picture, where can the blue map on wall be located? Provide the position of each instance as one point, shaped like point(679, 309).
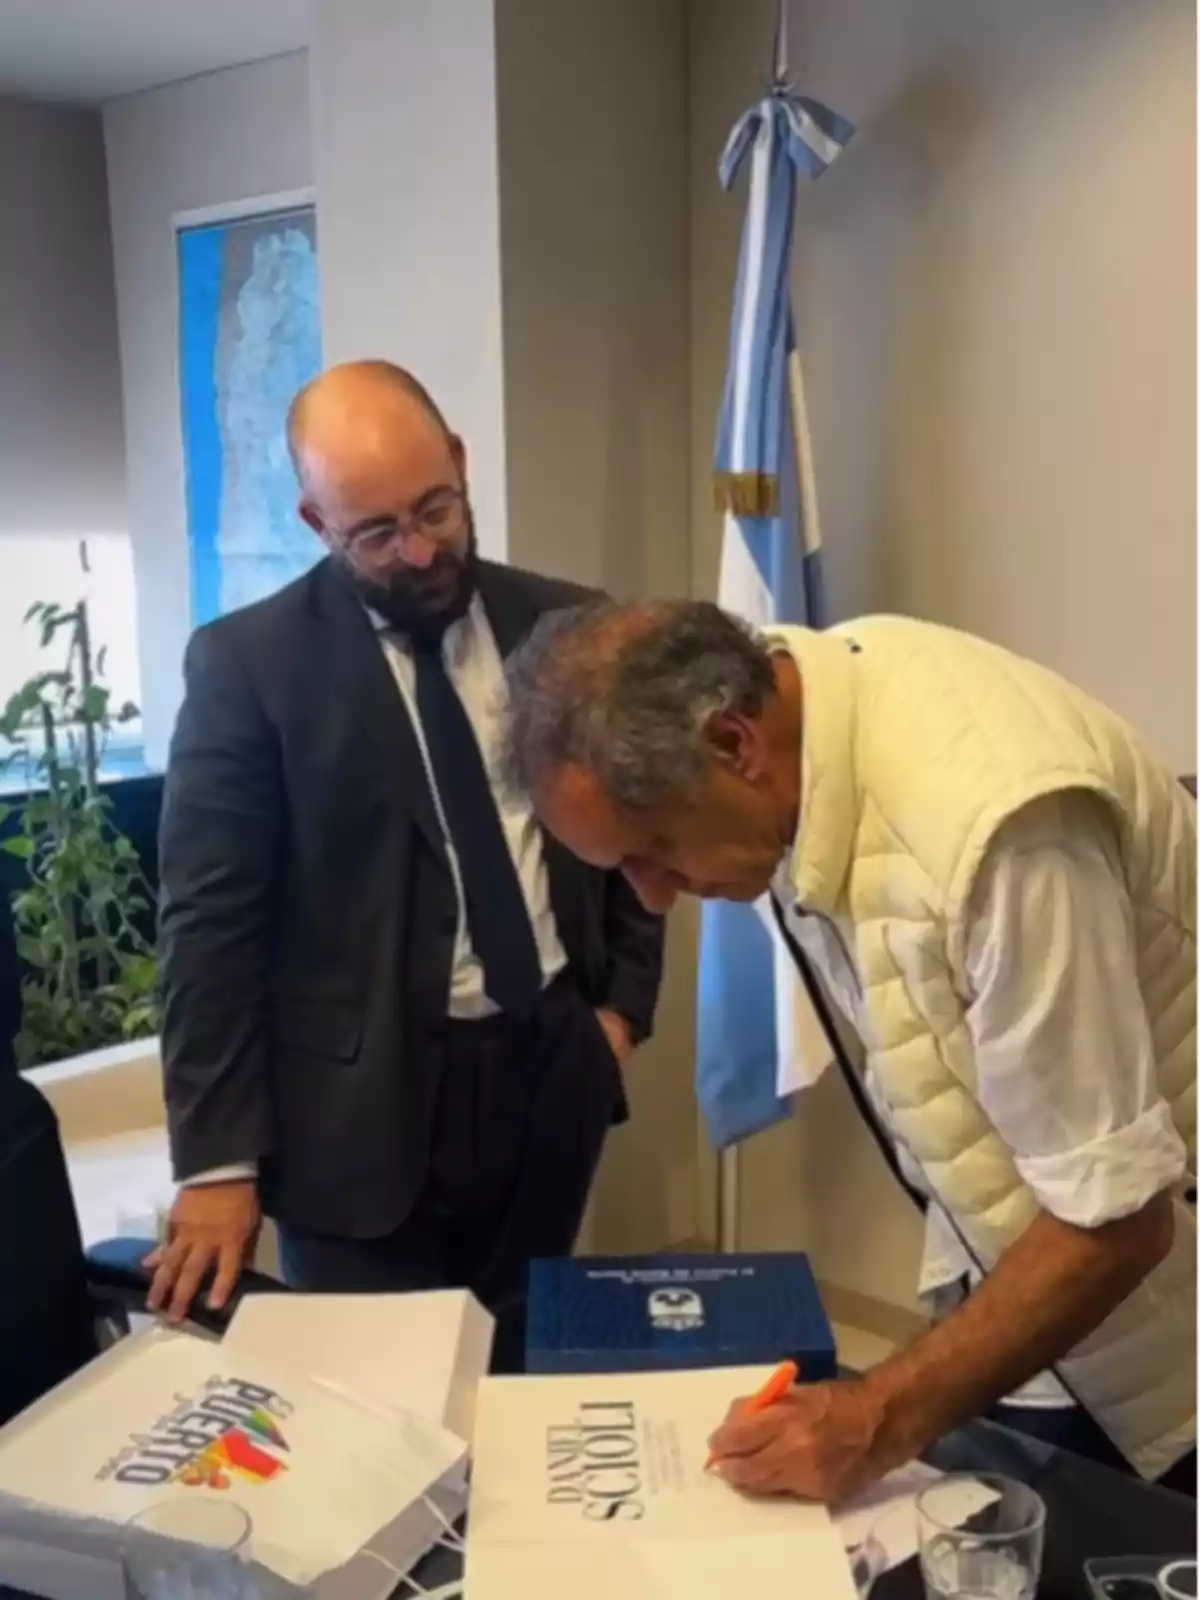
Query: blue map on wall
point(250, 337)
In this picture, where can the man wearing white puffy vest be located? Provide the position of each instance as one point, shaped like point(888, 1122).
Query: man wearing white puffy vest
point(994, 878)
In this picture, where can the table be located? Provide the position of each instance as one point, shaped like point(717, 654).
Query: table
point(1090, 1511)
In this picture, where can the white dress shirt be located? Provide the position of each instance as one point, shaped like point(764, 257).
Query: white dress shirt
point(1064, 1064)
point(476, 669)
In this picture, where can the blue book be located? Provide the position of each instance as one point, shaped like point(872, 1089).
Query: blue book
point(642, 1313)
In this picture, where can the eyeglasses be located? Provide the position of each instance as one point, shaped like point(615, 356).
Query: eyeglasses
point(441, 516)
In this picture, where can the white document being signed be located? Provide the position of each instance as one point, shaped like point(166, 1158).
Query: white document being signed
point(595, 1488)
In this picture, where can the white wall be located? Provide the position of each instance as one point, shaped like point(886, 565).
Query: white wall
point(404, 139)
point(544, 305)
point(231, 136)
point(62, 457)
point(995, 297)
point(62, 453)
point(592, 120)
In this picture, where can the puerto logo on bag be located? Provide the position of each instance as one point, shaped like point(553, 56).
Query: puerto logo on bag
point(229, 1431)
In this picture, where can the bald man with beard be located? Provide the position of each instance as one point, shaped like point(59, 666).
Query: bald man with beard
point(396, 1013)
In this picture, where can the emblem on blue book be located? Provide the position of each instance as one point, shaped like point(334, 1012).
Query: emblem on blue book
point(676, 1310)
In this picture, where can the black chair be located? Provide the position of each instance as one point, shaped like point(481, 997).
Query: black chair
point(58, 1303)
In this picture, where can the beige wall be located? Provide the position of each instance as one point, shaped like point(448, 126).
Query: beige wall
point(230, 136)
point(995, 296)
point(593, 191)
point(593, 223)
point(62, 455)
point(502, 202)
point(404, 152)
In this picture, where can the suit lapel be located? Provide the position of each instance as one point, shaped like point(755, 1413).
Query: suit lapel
point(366, 694)
point(509, 610)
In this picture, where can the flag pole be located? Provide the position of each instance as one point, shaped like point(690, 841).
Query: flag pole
point(728, 1175)
point(729, 1161)
point(780, 53)
point(790, 135)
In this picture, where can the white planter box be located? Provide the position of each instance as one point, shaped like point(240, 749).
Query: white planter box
point(104, 1092)
point(110, 1111)
point(110, 1114)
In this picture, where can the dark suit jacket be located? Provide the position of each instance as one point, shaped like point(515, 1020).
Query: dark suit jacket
point(308, 915)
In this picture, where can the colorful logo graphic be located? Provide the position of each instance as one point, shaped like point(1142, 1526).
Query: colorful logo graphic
point(240, 1452)
point(229, 1431)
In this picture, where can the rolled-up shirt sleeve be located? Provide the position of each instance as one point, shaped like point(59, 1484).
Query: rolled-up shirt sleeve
point(1064, 1059)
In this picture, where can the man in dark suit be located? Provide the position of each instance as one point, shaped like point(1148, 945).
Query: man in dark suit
point(395, 1012)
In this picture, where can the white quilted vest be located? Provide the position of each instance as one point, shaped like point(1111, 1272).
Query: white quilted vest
point(918, 743)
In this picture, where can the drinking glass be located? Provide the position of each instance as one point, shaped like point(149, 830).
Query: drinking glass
point(1177, 1580)
point(995, 1553)
point(188, 1549)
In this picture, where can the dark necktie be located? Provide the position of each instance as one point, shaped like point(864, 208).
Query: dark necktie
point(497, 915)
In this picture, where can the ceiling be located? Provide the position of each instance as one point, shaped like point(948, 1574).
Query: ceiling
point(83, 52)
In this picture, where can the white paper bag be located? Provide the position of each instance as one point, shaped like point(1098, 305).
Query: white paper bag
point(425, 1353)
point(338, 1491)
point(594, 1488)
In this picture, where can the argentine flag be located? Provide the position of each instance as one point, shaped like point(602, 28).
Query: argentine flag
point(758, 1036)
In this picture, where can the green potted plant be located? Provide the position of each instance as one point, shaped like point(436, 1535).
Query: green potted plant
point(88, 971)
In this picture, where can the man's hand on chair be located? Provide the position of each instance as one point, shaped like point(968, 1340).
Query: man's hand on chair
point(213, 1226)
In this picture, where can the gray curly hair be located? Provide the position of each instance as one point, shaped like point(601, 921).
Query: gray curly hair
point(626, 691)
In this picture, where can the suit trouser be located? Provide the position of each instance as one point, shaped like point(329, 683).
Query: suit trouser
point(522, 1112)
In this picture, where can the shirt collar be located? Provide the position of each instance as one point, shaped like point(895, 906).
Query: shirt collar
point(816, 868)
point(456, 640)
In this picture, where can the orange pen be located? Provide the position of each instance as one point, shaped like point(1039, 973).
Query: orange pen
point(776, 1386)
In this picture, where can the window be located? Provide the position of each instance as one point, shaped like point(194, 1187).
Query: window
point(250, 337)
point(47, 567)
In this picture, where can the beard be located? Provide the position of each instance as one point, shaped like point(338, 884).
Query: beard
point(422, 602)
